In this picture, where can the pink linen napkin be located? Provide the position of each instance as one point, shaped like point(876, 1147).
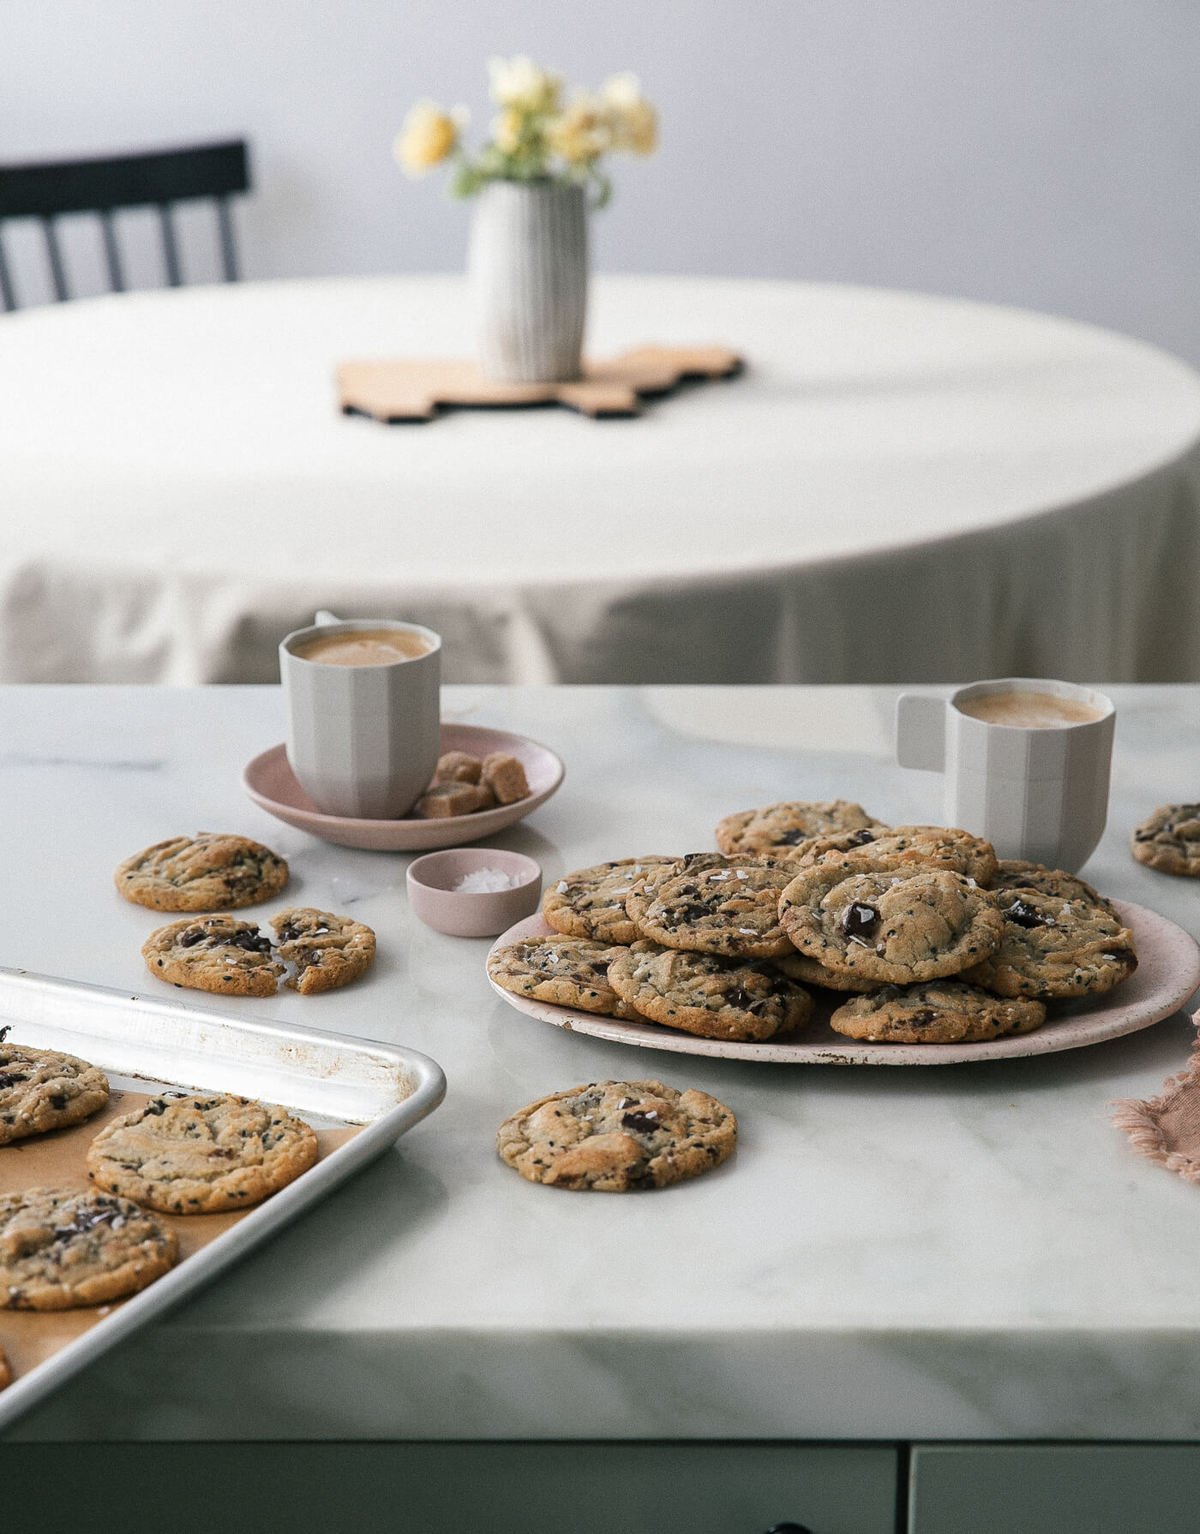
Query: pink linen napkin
point(1167, 1128)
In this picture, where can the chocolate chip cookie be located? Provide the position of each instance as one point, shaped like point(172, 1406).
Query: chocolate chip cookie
point(645, 888)
point(214, 953)
point(786, 825)
point(1169, 840)
point(41, 1089)
point(208, 872)
point(327, 950)
point(931, 846)
point(61, 1248)
point(201, 1155)
point(1015, 873)
point(935, 1012)
point(564, 971)
point(1055, 947)
point(892, 924)
point(590, 902)
point(617, 1136)
point(707, 996)
point(729, 911)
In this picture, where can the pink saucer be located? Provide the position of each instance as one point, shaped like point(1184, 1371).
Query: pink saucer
point(270, 782)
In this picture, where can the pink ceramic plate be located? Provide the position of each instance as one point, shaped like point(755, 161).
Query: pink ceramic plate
point(270, 782)
point(1168, 972)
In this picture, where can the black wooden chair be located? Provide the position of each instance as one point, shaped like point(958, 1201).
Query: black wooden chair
point(159, 179)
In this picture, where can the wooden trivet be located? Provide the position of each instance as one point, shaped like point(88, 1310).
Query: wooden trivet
point(414, 389)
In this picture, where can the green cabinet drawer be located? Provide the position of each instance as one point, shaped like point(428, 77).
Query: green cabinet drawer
point(1055, 1489)
point(450, 1488)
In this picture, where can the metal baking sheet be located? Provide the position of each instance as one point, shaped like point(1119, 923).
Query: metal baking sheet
point(152, 1044)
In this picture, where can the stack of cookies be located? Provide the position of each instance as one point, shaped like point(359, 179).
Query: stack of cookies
point(909, 934)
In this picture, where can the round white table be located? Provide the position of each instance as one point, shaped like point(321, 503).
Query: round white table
point(897, 487)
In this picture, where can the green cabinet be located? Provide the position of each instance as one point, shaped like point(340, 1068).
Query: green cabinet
point(1054, 1489)
point(449, 1488)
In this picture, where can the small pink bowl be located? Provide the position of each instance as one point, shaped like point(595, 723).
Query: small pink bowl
point(482, 913)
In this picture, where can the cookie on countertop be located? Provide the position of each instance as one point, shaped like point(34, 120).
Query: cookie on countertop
point(1016, 873)
point(5, 1370)
point(729, 911)
point(784, 826)
point(62, 1248)
point(208, 872)
point(707, 996)
point(1053, 947)
point(219, 954)
point(564, 971)
point(43, 1089)
point(201, 1155)
point(327, 950)
point(935, 1012)
point(890, 924)
point(617, 1136)
point(1169, 840)
point(590, 902)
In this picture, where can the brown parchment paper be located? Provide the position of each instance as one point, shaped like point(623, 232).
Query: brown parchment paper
point(57, 1160)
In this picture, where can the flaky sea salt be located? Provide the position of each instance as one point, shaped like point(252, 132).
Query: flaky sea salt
point(485, 881)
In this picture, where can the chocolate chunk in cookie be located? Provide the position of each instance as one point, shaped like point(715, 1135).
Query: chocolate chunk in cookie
point(780, 827)
point(935, 1012)
point(564, 971)
point(41, 1089)
point(708, 996)
point(617, 1136)
point(201, 1155)
point(892, 924)
point(1055, 947)
point(1169, 840)
point(61, 1248)
point(208, 872)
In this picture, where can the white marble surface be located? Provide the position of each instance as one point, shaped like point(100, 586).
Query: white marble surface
point(950, 1252)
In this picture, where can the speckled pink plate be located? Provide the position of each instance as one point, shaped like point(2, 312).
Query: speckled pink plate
point(270, 782)
point(1168, 972)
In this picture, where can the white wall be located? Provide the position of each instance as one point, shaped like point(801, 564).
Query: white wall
point(1037, 152)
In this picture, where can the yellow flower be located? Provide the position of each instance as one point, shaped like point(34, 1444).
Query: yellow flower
point(428, 136)
point(634, 120)
point(523, 85)
point(506, 130)
point(582, 131)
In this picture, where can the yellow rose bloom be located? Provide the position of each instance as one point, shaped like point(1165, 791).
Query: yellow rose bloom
point(523, 85)
point(634, 120)
point(582, 131)
point(429, 135)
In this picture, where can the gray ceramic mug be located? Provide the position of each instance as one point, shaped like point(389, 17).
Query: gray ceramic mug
point(1036, 789)
point(363, 739)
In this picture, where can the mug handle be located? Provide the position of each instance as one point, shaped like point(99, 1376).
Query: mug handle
point(921, 731)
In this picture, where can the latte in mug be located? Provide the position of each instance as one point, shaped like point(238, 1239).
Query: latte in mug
point(1026, 710)
point(364, 647)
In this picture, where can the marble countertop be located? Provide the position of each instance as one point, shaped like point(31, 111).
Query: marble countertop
point(967, 1251)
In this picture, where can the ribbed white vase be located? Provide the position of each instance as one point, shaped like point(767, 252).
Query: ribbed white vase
point(528, 267)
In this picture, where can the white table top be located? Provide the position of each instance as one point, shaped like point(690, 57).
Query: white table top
point(966, 1251)
point(186, 490)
